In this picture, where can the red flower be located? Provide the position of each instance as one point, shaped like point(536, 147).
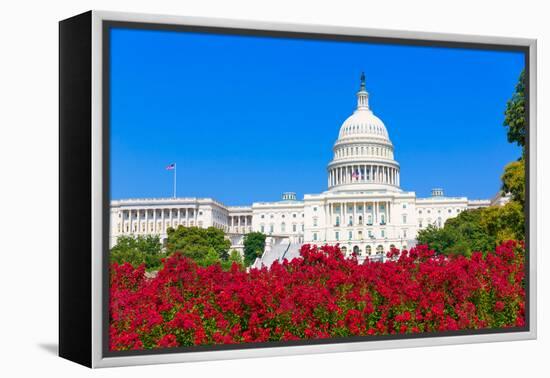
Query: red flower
point(321, 294)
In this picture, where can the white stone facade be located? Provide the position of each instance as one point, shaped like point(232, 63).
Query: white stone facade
point(364, 209)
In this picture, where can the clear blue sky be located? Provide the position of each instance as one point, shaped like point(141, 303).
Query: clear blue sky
point(246, 118)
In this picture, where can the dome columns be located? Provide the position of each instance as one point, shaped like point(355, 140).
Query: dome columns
point(363, 173)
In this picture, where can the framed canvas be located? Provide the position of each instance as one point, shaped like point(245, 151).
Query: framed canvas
point(234, 189)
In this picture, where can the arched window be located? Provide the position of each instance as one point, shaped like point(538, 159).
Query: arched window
point(382, 219)
point(356, 250)
point(350, 220)
point(380, 249)
point(337, 221)
point(360, 219)
point(344, 250)
point(369, 220)
point(314, 222)
point(392, 246)
point(283, 227)
point(368, 250)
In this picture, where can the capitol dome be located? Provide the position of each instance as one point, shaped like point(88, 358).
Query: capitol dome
point(363, 123)
point(363, 154)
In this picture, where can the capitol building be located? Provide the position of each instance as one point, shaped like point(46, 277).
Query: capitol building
point(364, 209)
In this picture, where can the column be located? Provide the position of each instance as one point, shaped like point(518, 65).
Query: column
point(130, 215)
point(196, 215)
point(344, 221)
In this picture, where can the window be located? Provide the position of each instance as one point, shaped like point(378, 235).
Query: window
point(360, 220)
point(294, 215)
point(337, 221)
point(337, 235)
point(439, 223)
point(419, 211)
point(302, 227)
point(380, 249)
point(350, 221)
point(282, 216)
point(350, 235)
point(270, 228)
point(283, 227)
point(262, 229)
point(200, 212)
point(271, 216)
point(293, 228)
point(314, 222)
point(420, 223)
point(383, 233)
point(360, 235)
point(404, 233)
point(314, 236)
point(404, 206)
point(404, 218)
point(369, 220)
point(262, 216)
point(382, 219)
point(368, 250)
point(449, 211)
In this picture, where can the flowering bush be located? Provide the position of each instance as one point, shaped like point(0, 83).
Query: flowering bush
point(322, 294)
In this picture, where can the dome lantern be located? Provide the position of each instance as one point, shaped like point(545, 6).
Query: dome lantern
point(362, 95)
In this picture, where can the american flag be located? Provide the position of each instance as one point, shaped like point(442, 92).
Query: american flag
point(355, 175)
point(171, 167)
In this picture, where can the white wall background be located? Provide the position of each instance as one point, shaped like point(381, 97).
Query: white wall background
point(28, 185)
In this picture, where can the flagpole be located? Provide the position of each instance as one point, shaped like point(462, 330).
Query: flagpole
point(175, 167)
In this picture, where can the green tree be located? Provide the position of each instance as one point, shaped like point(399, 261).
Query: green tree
point(515, 116)
point(234, 258)
point(199, 244)
point(513, 180)
point(138, 250)
point(254, 245)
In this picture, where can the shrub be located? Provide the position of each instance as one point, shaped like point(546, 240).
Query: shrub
point(322, 294)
